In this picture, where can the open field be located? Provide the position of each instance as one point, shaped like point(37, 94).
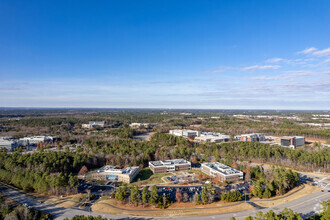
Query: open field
point(177, 209)
point(294, 194)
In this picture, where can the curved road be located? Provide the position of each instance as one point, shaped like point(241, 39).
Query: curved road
point(306, 206)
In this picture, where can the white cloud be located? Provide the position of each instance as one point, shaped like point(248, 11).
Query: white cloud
point(275, 60)
point(316, 52)
point(293, 74)
point(307, 50)
point(258, 67)
point(321, 53)
point(221, 69)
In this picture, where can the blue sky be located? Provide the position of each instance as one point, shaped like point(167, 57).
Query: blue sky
point(165, 54)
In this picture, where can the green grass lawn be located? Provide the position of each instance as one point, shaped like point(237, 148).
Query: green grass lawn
point(146, 176)
point(195, 172)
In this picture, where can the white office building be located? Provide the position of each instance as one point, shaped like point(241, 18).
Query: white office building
point(93, 124)
point(8, 143)
point(184, 133)
point(212, 137)
point(222, 171)
point(35, 140)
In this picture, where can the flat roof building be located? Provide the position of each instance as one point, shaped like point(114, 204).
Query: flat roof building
point(292, 141)
point(113, 174)
point(184, 133)
point(212, 137)
point(163, 166)
point(144, 125)
point(251, 137)
point(93, 124)
point(221, 171)
point(8, 143)
point(35, 140)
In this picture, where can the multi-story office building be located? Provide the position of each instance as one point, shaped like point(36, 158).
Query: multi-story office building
point(184, 133)
point(292, 141)
point(93, 124)
point(8, 143)
point(35, 140)
point(212, 137)
point(221, 171)
point(163, 166)
point(111, 173)
point(144, 125)
point(251, 137)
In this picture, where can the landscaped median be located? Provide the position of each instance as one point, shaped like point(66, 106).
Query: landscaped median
point(176, 209)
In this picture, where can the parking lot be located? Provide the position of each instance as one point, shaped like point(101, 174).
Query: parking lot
point(183, 178)
point(95, 188)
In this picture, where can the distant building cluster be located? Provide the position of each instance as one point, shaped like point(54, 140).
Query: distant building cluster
point(267, 116)
point(163, 166)
point(201, 136)
point(113, 174)
point(325, 125)
point(221, 171)
point(93, 124)
point(10, 143)
point(143, 125)
point(204, 137)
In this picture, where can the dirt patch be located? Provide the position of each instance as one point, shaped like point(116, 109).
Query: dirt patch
point(177, 209)
point(67, 202)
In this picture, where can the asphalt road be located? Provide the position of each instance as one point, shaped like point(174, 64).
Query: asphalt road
point(306, 206)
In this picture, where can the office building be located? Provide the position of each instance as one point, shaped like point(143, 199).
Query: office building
point(34, 140)
point(143, 125)
point(251, 137)
point(163, 166)
point(184, 133)
point(111, 173)
point(8, 143)
point(292, 141)
point(221, 171)
point(212, 137)
point(93, 124)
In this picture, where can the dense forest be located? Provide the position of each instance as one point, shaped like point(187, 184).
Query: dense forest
point(164, 146)
point(276, 181)
point(50, 172)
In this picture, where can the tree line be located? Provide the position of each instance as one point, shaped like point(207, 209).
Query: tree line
point(146, 197)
